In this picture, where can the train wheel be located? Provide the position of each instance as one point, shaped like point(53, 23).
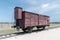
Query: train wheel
point(17, 28)
point(29, 30)
point(43, 27)
point(24, 30)
point(37, 28)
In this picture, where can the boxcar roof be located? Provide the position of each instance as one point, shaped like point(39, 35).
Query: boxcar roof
point(35, 13)
point(18, 7)
point(30, 12)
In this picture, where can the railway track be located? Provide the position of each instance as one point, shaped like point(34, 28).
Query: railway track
point(7, 36)
point(21, 33)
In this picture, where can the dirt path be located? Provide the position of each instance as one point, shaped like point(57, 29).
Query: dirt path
point(51, 34)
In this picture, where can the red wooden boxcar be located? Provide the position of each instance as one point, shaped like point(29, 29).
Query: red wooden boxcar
point(27, 20)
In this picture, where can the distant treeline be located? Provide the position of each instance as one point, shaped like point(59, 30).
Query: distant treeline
point(14, 22)
point(55, 22)
point(7, 22)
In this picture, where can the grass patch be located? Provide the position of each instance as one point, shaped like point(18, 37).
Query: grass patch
point(12, 30)
point(6, 31)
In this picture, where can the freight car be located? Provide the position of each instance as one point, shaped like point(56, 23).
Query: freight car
point(28, 20)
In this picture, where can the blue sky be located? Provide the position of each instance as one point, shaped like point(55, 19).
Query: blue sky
point(45, 7)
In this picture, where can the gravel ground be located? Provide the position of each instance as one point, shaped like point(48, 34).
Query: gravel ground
point(50, 34)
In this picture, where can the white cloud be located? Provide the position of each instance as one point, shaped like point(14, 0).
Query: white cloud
point(45, 5)
point(42, 8)
point(48, 7)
